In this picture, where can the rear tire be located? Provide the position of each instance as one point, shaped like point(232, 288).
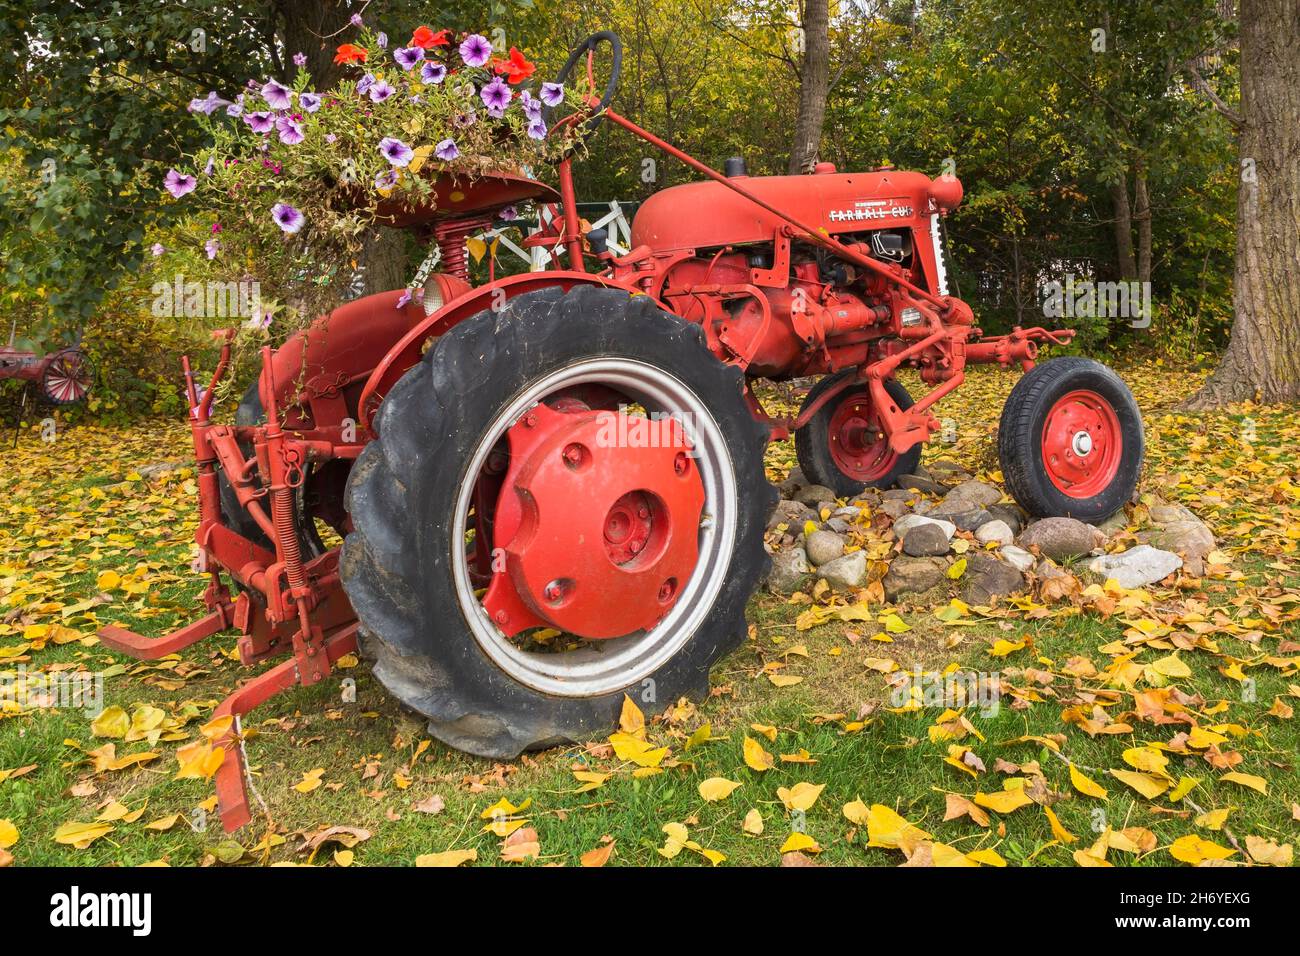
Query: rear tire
point(435, 648)
point(820, 449)
point(1070, 441)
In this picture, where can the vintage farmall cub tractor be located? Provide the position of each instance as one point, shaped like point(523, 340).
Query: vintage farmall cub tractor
point(551, 487)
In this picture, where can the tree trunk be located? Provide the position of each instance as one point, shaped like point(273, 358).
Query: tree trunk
point(1262, 361)
point(1142, 218)
point(1124, 260)
point(814, 84)
point(311, 27)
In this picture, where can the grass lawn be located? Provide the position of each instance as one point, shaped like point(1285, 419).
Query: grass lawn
point(1195, 682)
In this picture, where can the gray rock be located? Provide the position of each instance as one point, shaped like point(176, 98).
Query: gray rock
point(994, 531)
point(1188, 537)
point(948, 469)
point(791, 513)
point(847, 572)
point(967, 520)
point(846, 511)
point(910, 575)
point(1136, 567)
point(925, 540)
point(811, 494)
point(1018, 558)
point(823, 547)
point(908, 522)
point(1011, 514)
point(986, 578)
point(789, 571)
point(922, 483)
point(976, 494)
point(838, 525)
point(1061, 538)
point(150, 472)
point(825, 506)
point(898, 494)
point(894, 507)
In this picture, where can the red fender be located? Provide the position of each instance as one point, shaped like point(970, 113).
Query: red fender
point(408, 350)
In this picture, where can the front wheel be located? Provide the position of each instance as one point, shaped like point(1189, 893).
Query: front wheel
point(844, 447)
point(565, 503)
point(1070, 441)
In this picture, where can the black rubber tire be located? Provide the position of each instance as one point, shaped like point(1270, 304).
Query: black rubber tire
point(250, 412)
point(812, 442)
point(1020, 439)
point(396, 564)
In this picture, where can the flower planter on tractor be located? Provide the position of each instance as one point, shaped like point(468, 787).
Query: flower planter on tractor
point(551, 486)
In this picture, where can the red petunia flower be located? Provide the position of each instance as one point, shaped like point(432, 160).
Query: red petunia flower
point(349, 53)
point(516, 69)
point(426, 39)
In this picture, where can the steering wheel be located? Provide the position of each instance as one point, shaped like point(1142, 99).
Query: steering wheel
point(588, 46)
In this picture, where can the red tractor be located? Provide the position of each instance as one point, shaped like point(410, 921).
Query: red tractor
point(551, 487)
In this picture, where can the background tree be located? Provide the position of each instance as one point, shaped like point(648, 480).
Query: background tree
point(1262, 360)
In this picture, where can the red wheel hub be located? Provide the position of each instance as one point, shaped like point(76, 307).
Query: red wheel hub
point(857, 441)
point(1082, 444)
point(598, 536)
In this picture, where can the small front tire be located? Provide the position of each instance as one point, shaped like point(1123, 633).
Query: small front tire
point(1070, 441)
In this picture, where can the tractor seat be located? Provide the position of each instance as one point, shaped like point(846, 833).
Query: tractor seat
point(455, 197)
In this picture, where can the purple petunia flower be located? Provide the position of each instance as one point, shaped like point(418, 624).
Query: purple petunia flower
point(330, 138)
point(496, 95)
point(236, 108)
point(446, 150)
point(403, 300)
point(475, 50)
point(365, 83)
point(260, 122)
point(408, 56)
point(395, 151)
point(508, 214)
point(532, 107)
point(537, 129)
point(208, 105)
point(209, 166)
point(310, 102)
point(386, 180)
point(381, 91)
point(287, 218)
point(290, 130)
point(300, 59)
point(279, 97)
point(462, 120)
point(178, 184)
point(157, 249)
point(212, 247)
point(552, 94)
point(381, 40)
point(432, 72)
point(355, 20)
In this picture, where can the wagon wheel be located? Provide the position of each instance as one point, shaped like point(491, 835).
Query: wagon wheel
point(620, 564)
point(843, 446)
point(67, 378)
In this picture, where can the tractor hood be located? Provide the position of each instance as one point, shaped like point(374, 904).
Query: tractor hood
point(709, 214)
